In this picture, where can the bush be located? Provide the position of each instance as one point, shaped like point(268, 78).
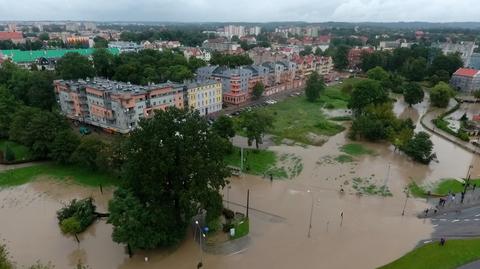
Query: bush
point(9, 155)
point(82, 211)
point(229, 214)
point(70, 226)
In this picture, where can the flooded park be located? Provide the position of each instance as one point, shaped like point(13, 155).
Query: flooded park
point(348, 230)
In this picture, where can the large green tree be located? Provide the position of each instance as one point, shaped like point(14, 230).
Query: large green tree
point(420, 148)
point(413, 93)
point(174, 167)
point(87, 153)
point(74, 66)
point(255, 125)
point(62, 147)
point(367, 92)
point(340, 58)
point(224, 127)
point(315, 86)
point(103, 62)
point(440, 95)
point(378, 74)
point(258, 90)
point(8, 106)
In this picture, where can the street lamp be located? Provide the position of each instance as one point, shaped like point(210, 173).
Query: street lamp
point(201, 236)
point(311, 214)
point(407, 195)
point(467, 182)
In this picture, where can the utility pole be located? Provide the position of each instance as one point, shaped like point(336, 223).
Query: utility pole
point(311, 214)
point(241, 159)
point(386, 179)
point(406, 199)
point(248, 200)
point(467, 182)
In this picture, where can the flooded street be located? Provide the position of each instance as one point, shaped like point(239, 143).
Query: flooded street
point(371, 233)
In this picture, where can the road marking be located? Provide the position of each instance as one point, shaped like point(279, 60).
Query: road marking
point(476, 219)
point(428, 241)
point(455, 220)
point(443, 219)
point(478, 215)
point(466, 220)
point(435, 225)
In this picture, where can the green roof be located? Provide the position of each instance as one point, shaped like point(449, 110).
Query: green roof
point(26, 56)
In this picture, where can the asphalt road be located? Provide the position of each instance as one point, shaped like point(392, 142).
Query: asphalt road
point(465, 223)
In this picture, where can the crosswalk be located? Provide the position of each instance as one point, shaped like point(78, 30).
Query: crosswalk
point(457, 220)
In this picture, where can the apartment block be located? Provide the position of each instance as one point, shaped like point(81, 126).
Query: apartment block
point(466, 80)
point(205, 96)
point(115, 106)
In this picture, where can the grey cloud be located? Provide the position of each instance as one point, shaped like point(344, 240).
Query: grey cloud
point(241, 10)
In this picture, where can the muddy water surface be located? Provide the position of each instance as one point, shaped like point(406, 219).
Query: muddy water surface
point(372, 231)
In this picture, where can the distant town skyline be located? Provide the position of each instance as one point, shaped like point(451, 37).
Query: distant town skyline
point(246, 10)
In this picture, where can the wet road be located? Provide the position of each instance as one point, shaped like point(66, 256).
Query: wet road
point(465, 223)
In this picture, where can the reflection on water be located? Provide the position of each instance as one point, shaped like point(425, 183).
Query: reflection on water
point(372, 232)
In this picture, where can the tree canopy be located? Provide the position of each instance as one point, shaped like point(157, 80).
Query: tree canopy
point(255, 125)
point(413, 93)
point(186, 170)
point(258, 90)
point(74, 66)
point(315, 86)
point(440, 94)
point(367, 92)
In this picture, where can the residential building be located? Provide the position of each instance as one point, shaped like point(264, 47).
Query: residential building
point(15, 37)
point(115, 106)
point(90, 26)
point(205, 96)
point(465, 49)
point(389, 45)
point(85, 41)
point(124, 46)
point(308, 64)
point(355, 56)
point(238, 83)
point(475, 61)
point(72, 27)
point(234, 30)
point(466, 80)
point(198, 53)
point(220, 44)
point(44, 58)
point(255, 30)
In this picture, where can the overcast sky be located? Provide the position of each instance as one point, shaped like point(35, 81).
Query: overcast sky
point(242, 10)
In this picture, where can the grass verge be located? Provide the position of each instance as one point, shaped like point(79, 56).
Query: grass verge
point(242, 228)
point(433, 256)
point(78, 175)
point(21, 152)
point(256, 162)
point(417, 191)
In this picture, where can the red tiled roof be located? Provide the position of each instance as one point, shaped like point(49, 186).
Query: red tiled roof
point(476, 117)
point(11, 35)
point(466, 72)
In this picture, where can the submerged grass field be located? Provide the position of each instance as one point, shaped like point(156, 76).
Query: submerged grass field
point(295, 118)
point(256, 162)
point(433, 256)
point(76, 174)
point(356, 150)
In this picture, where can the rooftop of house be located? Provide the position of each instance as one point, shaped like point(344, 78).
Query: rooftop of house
point(27, 56)
point(466, 72)
point(117, 86)
point(11, 35)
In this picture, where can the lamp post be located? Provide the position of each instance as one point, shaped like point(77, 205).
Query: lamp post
point(311, 214)
point(407, 195)
point(467, 182)
point(201, 236)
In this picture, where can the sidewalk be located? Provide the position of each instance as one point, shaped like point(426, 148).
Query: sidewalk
point(472, 199)
point(427, 123)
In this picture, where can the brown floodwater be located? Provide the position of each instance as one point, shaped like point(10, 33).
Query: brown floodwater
point(373, 231)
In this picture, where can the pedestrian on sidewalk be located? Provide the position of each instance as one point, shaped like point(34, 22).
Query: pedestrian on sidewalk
point(426, 212)
point(271, 177)
point(474, 187)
